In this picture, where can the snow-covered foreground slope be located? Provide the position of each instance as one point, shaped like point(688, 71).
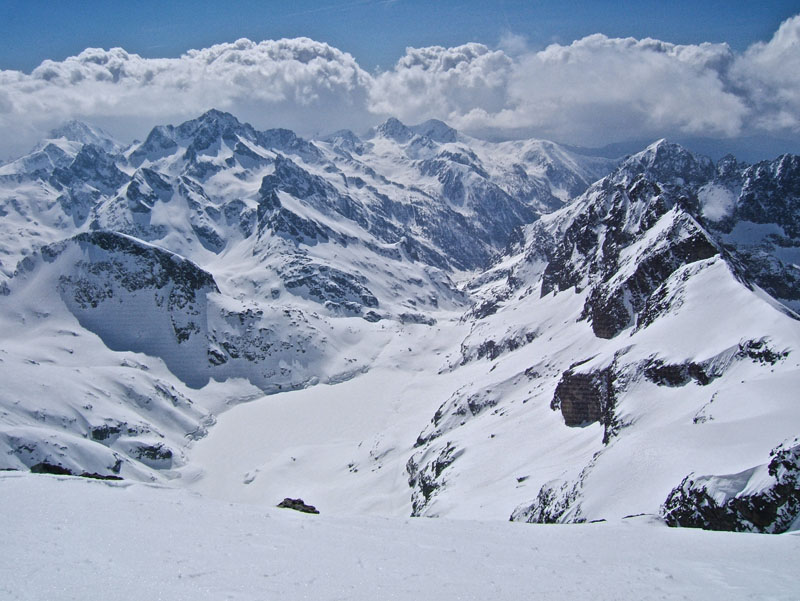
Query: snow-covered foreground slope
point(68, 538)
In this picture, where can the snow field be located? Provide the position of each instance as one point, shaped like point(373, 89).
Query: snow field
point(74, 539)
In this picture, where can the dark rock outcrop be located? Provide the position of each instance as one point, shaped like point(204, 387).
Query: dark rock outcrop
point(586, 398)
point(729, 503)
point(706, 371)
point(614, 307)
point(58, 470)
point(297, 505)
point(426, 474)
point(558, 501)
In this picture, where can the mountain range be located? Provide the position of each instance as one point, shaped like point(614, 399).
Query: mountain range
point(407, 322)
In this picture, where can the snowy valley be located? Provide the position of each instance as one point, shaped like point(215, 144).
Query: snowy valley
point(407, 323)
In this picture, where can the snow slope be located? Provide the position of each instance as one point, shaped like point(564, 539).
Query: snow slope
point(143, 541)
point(343, 447)
point(613, 353)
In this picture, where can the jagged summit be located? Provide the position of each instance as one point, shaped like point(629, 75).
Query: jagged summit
point(214, 123)
point(394, 129)
point(83, 133)
point(432, 129)
point(342, 134)
point(345, 140)
point(214, 116)
point(668, 162)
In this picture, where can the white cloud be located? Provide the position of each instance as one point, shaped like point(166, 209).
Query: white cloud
point(299, 83)
point(769, 75)
point(594, 91)
point(444, 82)
point(513, 44)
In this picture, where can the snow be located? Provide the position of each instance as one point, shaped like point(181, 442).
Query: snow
point(151, 542)
point(344, 446)
point(346, 412)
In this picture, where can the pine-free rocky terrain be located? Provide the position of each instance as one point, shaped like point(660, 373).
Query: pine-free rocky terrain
point(409, 322)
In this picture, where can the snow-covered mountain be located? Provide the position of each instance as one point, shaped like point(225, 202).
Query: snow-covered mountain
point(223, 253)
point(645, 334)
point(442, 326)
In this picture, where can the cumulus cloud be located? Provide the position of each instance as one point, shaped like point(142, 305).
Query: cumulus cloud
point(768, 76)
point(601, 90)
point(299, 83)
point(594, 91)
point(444, 82)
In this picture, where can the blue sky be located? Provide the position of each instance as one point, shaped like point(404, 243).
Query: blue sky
point(573, 71)
point(376, 32)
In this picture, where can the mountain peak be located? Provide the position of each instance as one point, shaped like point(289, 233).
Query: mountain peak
point(667, 163)
point(433, 129)
point(394, 129)
point(214, 123)
point(83, 133)
point(436, 130)
point(345, 140)
point(218, 116)
point(342, 134)
point(661, 148)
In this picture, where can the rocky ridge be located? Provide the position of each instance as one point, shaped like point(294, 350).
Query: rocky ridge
point(623, 261)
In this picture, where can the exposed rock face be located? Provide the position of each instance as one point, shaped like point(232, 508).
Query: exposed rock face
point(156, 267)
point(614, 307)
point(761, 499)
point(297, 505)
point(585, 398)
point(112, 266)
point(493, 349)
point(706, 371)
point(558, 501)
point(455, 412)
point(675, 209)
point(668, 163)
point(332, 287)
point(771, 194)
point(57, 470)
point(754, 212)
point(90, 167)
point(594, 250)
point(427, 475)
point(581, 398)
point(138, 297)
